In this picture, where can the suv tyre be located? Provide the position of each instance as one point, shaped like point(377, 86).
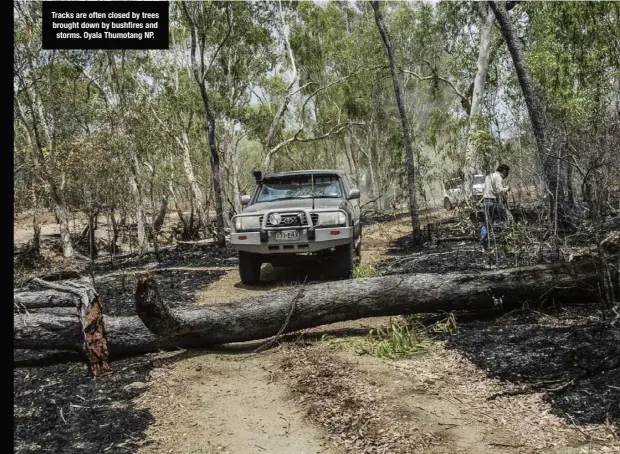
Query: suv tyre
point(249, 267)
point(345, 260)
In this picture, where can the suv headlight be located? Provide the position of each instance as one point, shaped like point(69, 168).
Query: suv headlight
point(332, 218)
point(243, 223)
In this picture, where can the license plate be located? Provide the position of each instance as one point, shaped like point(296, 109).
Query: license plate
point(287, 235)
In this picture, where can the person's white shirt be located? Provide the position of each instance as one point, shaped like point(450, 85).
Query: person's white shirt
point(494, 186)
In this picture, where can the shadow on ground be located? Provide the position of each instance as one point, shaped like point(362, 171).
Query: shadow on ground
point(531, 349)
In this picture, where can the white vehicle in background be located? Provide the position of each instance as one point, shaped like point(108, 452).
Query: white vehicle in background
point(453, 191)
point(477, 186)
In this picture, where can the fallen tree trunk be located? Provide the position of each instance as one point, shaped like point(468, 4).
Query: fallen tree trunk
point(306, 307)
point(54, 302)
point(124, 335)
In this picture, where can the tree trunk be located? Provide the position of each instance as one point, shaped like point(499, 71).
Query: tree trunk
point(484, 52)
point(218, 193)
point(411, 180)
point(36, 235)
point(196, 192)
point(62, 218)
point(306, 307)
point(198, 71)
point(114, 246)
point(88, 335)
point(535, 106)
point(136, 188)
point(89, 234)
point(158, 223)
point(235, 182)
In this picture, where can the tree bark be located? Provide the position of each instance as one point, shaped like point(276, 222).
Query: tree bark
point(158, 223)
point(196, 192)
point(484, 52)
point(218, 193)
point(114, 246)
point(36, 235)
point(88, 335)
point(136, 188)
point(306, 307)
point(90, 235)
point(411, 179)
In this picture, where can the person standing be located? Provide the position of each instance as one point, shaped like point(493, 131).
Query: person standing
point(495, 191)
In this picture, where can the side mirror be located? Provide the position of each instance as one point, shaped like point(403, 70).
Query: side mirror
point(354, 194)
point(245, 199)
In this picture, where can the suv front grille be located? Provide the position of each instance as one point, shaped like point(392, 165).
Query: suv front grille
point(293, 220)
point(289, 220)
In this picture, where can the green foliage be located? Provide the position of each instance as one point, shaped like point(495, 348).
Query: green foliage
point(102, 107)
point(399, 340)
point(447, 325)
point(517, 238)
point(571, 50)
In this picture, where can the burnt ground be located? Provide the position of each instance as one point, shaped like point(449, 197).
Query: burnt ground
point(529, 349)
point(59, 408)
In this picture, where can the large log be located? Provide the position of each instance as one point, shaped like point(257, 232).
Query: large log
point(55, 301)
point(124, 335)
point(32, 299)
point(311, 306)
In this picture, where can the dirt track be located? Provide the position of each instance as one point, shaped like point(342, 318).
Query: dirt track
point(238, 396)
point(236, 402)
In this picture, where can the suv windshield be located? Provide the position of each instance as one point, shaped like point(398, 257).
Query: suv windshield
point(300, 187)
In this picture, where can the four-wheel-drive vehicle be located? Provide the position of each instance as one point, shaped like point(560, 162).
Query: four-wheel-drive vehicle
point(291, 215)
point(453, 191)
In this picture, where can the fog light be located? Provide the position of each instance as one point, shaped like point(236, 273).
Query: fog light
point(243, 237)
point(335, 232)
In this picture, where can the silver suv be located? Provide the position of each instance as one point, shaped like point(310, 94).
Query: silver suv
point(300, 213)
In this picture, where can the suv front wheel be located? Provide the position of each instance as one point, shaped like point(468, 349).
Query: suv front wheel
point(249, 267)
point(345, 260)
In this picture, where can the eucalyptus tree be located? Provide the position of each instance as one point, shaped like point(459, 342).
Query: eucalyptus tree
point(210, 25)
point(297, 96)
point(243, 60)
point(176, 107)
point(411, 176)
